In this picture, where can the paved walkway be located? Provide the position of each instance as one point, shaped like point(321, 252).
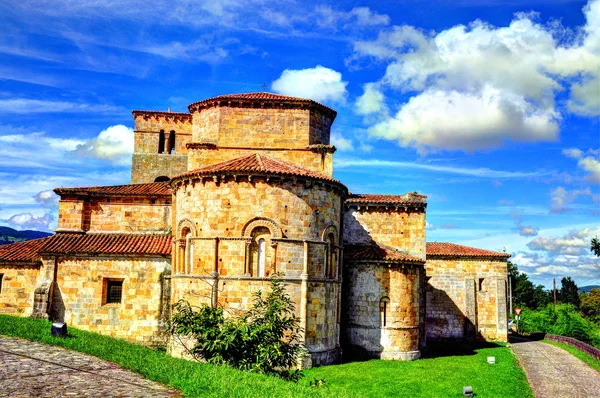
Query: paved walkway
point(30, 369)
point(554, 373)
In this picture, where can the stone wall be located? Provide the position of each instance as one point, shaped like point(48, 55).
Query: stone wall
point(466, 298)
point(218, 262)
point(115, 215)
point(320, 162)
point(79, 296)
point(401, 230)
point(382, 311)
point(147, 162)
point(18, 284)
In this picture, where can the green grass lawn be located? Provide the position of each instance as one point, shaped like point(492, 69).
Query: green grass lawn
point(442, 374)
point(587, 358)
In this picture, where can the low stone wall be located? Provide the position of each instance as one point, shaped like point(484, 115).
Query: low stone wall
point(580, 345)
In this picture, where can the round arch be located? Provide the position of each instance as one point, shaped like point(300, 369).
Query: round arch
point(330, 229)
point(268, 223)
point(183, 224)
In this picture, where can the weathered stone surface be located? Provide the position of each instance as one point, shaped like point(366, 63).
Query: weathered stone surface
point(18, 284)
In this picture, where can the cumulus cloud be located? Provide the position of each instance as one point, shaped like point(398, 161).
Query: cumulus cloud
point(46, 198)
point(372, 100)
point(319, 83)
point(429, 226)
point(524, 230)
point(560, 198)
point(29, 221)
point(590, 164)
point(341, 143)
point(474, 87)
point(114, 144)
point(574, 243)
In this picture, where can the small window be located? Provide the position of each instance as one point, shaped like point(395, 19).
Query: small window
point(162, 179)
point(161, 141)
point(481, 282)
point(172, 142)
point(113, 291)
point(1, 277)
point(384, 304)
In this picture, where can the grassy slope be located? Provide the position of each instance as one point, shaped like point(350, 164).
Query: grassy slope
point(443, 374)
point(587, 358)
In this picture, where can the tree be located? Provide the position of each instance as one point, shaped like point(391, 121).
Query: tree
point(595, 246)
point(525, 293)
point(590, 305)
point(569, 293)
point(265, 339)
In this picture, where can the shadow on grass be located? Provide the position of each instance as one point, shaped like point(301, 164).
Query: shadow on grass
point(514, 338)
point(438, 349)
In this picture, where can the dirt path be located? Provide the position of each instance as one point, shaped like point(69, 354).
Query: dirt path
point(29, 369)
point(554, 373)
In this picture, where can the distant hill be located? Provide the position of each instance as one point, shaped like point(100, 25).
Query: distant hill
point(588, 288)
point(9, 235)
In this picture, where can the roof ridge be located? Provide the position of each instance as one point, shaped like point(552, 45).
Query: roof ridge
point(260, 161)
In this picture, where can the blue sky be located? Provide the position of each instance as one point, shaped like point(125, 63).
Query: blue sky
point(491, 108)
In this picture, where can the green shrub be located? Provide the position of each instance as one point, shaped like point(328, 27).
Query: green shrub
point(265, 339)
point(565, 321)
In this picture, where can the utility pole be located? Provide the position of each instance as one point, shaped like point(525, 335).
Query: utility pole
point(554, 294)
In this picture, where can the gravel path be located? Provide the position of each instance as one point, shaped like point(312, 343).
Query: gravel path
point(29, 369)
point(554, 373)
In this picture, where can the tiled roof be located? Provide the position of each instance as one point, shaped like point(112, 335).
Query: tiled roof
point(373, 252)
point(151, 189)
point(258, 98)
point(162, 113)
point(22, 252)
point(257, 165)
point(406, 199)
point(101, 243)
point(454, 250)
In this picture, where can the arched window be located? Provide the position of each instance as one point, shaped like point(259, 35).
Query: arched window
point(171, 142)
point(332, 257)
point(161, 141)
point(189, 244)
point(258, 251)
point(384, 307)
point(162, 179)
point(262, 247)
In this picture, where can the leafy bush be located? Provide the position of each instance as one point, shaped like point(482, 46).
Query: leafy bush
point(565, 321)
point(265, 339)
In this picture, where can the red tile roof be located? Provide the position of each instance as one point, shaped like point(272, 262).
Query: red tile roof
point(184, 115)
point(22, 252)
point(152, 189)
point(373, 252)
point(98, 243)
point(406, 199)
point(259, 98)
point(446, 249)
point(256, 164)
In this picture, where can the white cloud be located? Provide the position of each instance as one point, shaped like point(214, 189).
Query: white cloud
point(46, 198)
point(590, 164)
point(482, 172)
point(474, 87)
point(24, 105)
point(27, 221)
point(372, 100)
point(114, 143)
point(573, 243)
point(340, 142)
point(319, 83)
point(560, 198)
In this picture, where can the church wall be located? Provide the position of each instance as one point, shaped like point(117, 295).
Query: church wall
point(319, 128)
point(18, 284)
point(322, 163)
point(147, 162)
point(80, 293)
point(402, 230)
point(70, 215)
point(322, 322)
point(466, 297)
point(366, 286)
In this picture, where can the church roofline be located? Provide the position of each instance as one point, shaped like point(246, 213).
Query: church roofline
point(108, 244)
point(257, 165)
point(447, 249)
point(23, 253)
point(146, 190)
point(377, 253)
point(261, 100)
point(408, 199)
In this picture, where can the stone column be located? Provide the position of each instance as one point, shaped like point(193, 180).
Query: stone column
point(470, 309)
point(501, 311)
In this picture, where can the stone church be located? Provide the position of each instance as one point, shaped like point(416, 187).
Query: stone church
point(224, 197)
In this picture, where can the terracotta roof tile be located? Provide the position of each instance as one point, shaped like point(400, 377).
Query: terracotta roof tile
point(377, 253)
point(261, 97)
point(454, 250)
point(152, 189)
point(257, 164)
point(66, 243)
point(406, 199)
point(22, 252)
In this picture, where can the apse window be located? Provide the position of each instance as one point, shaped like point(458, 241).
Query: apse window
point(1, 277)
point(113, 291)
